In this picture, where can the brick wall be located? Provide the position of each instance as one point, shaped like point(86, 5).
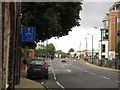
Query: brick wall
point(112, 29)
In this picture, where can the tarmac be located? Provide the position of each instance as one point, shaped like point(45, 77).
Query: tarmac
point(28, 83)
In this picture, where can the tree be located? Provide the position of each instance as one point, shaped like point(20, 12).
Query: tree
point(63, 54)
point(25, 52)
point(45, 51)
point(51, 50)
point(118, 49)
point(71, 50)
point(51, 19)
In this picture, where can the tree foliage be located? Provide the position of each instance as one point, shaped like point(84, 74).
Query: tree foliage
point(52, 18)
point(60, 52)
point(45, 51)
point(71, 50)
point(118, 50)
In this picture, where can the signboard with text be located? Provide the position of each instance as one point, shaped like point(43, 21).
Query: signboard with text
point(28, 34)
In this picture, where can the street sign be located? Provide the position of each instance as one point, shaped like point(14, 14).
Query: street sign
point(28, 34)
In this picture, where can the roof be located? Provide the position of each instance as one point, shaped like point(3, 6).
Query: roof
point(114, 5)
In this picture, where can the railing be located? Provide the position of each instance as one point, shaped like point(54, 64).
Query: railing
point(115, 64)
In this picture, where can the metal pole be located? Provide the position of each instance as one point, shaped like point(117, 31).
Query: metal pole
point(101, 46)
point(92, 48)
point(47, 47)
point(86, 47)
point(80, 50)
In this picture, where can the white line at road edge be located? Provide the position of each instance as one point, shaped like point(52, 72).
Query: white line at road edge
point(60, 85)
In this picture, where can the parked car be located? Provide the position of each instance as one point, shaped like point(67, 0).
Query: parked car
point(37, 67)
point(63, 60)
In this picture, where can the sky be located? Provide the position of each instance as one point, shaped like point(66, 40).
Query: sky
point(91, 17)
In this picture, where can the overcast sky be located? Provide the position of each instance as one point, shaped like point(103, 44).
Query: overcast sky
point(91, 16)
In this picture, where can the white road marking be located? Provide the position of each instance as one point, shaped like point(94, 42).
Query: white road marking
point(69, 70)
point(54, 77)
point(117, 81)
point(85, 71)
point(92, 73)
point(74, 60)
point(54, 74)
point(105, 77)
point(60, 85)
point(42, 83)
point(65, 64)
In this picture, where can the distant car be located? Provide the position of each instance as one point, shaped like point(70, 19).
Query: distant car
point(37, 67)
point(63, 60)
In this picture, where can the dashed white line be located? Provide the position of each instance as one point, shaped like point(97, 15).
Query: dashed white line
point(105, 77)
point(85, 71)
point(60, 85)
point(54, 77)
point(69, 70)
point(92, 73)
point(117, 81)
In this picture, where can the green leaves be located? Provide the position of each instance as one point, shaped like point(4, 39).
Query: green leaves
point(71, 50)
point(51, 18)
point(45, 50)
point(118, 50)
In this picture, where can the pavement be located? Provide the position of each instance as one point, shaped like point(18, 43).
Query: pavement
point(28, 83)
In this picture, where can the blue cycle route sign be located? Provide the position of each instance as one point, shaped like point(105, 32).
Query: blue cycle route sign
point(28, 34)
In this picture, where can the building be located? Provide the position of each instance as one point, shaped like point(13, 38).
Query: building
point(110, 33)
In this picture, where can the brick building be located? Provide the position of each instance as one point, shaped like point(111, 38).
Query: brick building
point(110, 34)
point(11, 32)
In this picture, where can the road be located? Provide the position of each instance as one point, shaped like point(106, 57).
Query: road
point(77, 74)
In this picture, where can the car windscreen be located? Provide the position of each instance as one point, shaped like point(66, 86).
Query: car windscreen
point(37, 62)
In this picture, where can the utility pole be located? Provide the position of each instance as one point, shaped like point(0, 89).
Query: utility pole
point(47, 47)
point(86, 47)
point(80, 50)
point(92, 49)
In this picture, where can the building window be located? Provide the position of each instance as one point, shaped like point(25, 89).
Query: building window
point(105, 34)
point(118, 19)
point(103, 48)
point(106, 24)
point(118, 33)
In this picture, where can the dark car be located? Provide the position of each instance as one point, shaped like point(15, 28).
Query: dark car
point(37, 67)
point(63, 60)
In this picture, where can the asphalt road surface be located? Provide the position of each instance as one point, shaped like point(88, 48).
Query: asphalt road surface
point(77, 74)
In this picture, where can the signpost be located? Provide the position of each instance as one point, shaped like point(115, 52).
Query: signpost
point(28, 34)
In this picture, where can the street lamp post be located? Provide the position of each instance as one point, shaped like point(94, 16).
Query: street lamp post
point(92, 47)
point(86, 47)
point(80, 50)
